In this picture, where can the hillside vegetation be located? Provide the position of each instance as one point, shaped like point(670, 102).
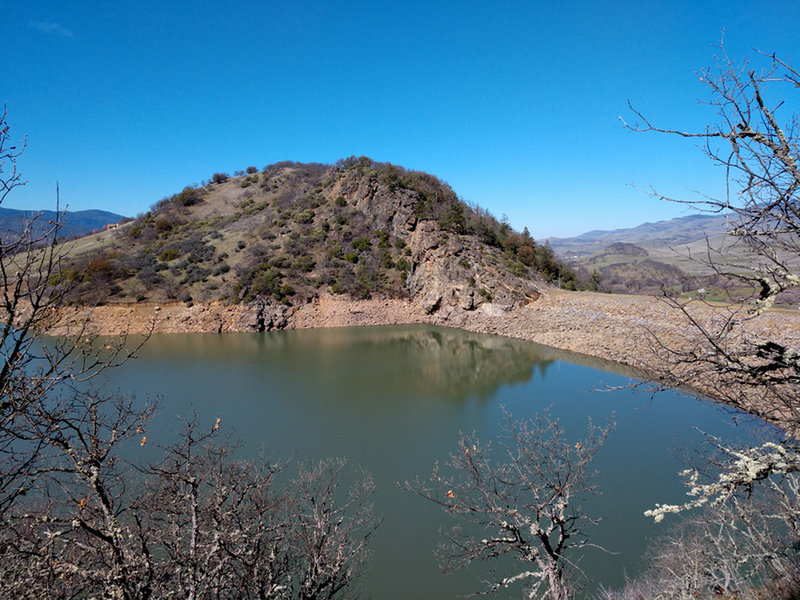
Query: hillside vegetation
point(291, 231)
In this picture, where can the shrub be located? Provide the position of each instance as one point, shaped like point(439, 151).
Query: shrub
point(317, 234)
point(305, 263)
point(149, 277)
point(251, 170)
point(168, 255)
point(386, 259)
point(267, 283)
point(195, 273)
point(189, 197)
point(303, 216)
point(453, 218)
point(100, 265)
point(280, 262)
point(163, 224)
point(220, 177)
point(361, 244)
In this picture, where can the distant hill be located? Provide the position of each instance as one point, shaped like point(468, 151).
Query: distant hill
point(681, 230)
point(672, 255)
point(281, 236)
point(77, 223)
point(625, 249)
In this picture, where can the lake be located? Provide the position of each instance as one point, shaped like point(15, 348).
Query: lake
point(393, 400)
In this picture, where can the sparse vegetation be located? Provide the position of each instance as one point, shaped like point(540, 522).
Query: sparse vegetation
point(303, 228)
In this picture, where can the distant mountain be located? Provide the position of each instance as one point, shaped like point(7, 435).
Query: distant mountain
point(681, 230)
point(671, 254)
point(81, 222)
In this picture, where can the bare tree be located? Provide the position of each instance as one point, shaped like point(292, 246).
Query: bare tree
point(227, 530)
point(756, 139)
point(744, 548)
point(331, 530)
point(32, 287)
point(73, 531)
point(199, 524)
point(744, 541)
point(524, 501)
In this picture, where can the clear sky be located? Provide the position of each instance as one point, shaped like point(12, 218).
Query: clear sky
point(515, 104)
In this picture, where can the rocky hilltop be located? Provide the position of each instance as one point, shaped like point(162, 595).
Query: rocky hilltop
point(277, 239)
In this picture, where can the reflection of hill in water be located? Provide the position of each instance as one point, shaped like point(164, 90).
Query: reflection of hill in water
point(454, 363)
point(417, 360)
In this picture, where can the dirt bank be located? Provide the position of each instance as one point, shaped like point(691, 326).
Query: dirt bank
point(613, 327)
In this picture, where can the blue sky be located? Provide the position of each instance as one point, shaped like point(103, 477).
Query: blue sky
point(515, 104)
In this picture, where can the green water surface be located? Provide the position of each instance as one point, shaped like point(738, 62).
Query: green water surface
point(393, 400)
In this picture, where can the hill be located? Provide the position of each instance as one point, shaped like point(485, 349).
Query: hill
point(280, 237)
point(674, 232)
point(672, 255)
point(626, 249)
point(73, 224)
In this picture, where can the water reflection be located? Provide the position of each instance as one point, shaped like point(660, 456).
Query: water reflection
point(442, 362)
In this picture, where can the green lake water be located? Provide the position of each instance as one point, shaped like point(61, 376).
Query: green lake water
point(393, 400)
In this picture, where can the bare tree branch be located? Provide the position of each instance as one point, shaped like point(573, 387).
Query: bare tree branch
point(523, 498)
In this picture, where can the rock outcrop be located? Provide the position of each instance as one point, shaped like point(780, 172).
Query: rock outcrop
point(452, 274)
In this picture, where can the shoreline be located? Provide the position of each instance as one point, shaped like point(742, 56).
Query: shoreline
point(624, 329)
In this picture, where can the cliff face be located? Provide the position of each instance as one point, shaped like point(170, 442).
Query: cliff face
point(455, 273)
point(448, 271)
point(278, 239)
